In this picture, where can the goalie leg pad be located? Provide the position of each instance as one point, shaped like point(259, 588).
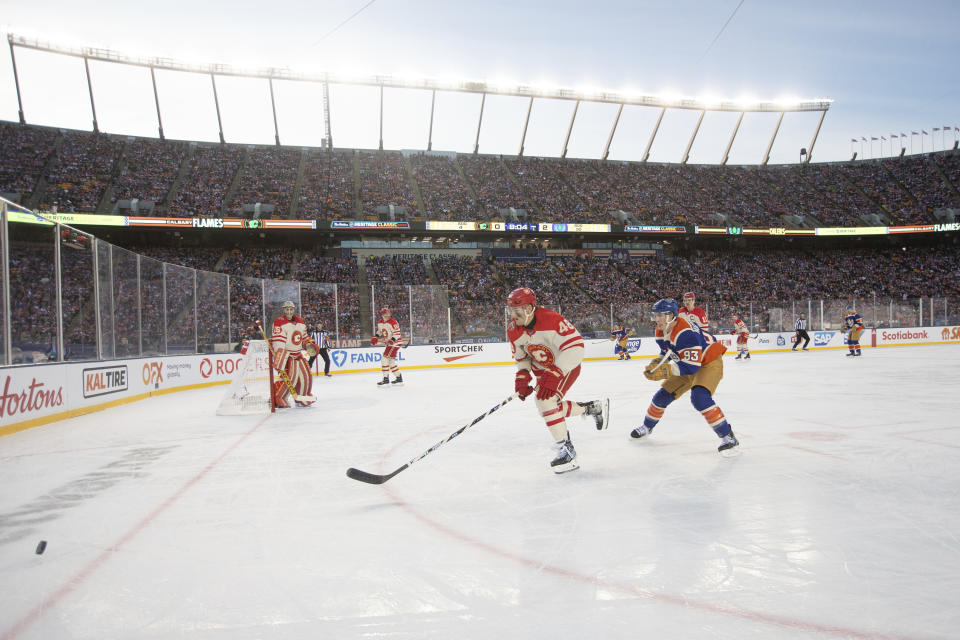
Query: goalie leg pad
point(280, 393)
point(300, 377)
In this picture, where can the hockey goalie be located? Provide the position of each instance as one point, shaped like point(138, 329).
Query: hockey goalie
point(287, 344)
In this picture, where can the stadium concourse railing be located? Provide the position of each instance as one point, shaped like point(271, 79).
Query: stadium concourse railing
point(70, 296)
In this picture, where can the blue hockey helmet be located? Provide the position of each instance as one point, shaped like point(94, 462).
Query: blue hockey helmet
point(666, 305)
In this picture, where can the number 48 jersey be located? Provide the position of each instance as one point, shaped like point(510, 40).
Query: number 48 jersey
point(692, 348)
point(552, 343)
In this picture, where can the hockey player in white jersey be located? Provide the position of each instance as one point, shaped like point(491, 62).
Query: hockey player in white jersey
point(546, 346)
point(287, 343)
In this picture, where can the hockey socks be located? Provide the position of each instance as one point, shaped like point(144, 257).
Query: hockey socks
point(661, 400)
point(703, 402)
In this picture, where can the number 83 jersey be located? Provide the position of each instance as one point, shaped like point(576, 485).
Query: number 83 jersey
point(550, 343)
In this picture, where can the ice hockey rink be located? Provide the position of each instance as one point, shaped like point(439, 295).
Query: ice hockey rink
point(839, 519)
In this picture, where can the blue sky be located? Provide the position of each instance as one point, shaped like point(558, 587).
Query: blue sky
point(889, 67)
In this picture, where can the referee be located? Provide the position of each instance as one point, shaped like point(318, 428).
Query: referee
point(801, 327)
point(321, 337)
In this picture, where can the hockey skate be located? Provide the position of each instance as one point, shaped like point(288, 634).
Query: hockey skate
point(628, 356)
point(599, 410)
point(728, 445)
point(566, 458)
point(851, 353)
point(739, 355)
point(641, 431)
point(747, 357)
point(397, 380)
point(620, 358)
point(384, 383)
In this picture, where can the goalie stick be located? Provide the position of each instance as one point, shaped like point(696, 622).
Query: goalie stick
point(283, 374)
point(373, 478)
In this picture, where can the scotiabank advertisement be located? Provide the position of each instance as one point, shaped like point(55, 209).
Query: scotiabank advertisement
point(916, 335)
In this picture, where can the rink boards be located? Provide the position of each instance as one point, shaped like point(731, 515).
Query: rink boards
point(38, 394)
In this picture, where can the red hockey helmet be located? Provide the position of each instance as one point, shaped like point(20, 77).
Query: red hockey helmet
point(385, 311)
point(521, 297)
point(689, 296)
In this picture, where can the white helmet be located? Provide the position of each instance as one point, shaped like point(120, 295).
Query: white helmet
point(288, 308)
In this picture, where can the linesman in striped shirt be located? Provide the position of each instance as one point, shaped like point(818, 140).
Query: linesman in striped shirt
point(322, 339)
point(801, 327)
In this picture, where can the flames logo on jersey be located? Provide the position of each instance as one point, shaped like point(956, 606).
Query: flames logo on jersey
point(541, 355)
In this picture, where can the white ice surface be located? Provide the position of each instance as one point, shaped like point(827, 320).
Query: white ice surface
point(839, 519)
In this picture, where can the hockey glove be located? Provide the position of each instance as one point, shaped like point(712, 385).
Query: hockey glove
point(548, 382)
point(521, 384)
point(374, 340)
point(657, 370)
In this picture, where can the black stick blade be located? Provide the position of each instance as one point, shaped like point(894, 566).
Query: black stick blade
point(369, 478)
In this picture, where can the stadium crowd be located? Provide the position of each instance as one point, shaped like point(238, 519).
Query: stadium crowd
point(71, 171)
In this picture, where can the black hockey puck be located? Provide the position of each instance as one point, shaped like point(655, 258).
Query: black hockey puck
point(41, 547)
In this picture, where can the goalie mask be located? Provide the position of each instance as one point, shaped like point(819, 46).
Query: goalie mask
point(288, 309)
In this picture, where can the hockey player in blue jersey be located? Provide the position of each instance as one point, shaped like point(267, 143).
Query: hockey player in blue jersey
point(621, 335)
point(853, 326)
point(693, 363)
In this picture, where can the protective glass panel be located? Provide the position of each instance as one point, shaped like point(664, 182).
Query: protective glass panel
point(3, 292)
point(152, 317)
point(180, 310)
point(953, 311)
point(352, 331)
point(77, 297)
point(636, 316)
point(475, 320)
point(107, 311)
point(213, 310)
point(318, 303)
point(246, 308)
point(275, 293)
point(430, 305)
point(868, 310)
point(591, 320)
point(33, 293)
point(397, 299)
point(904, 313)
point(124, 296)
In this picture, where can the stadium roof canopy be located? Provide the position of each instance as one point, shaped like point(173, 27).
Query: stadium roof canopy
point(483, 88)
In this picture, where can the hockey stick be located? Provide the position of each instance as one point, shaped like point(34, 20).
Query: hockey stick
point(283, 374)
point(373, 478)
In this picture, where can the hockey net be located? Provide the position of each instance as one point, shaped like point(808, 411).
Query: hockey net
point(249, 391)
